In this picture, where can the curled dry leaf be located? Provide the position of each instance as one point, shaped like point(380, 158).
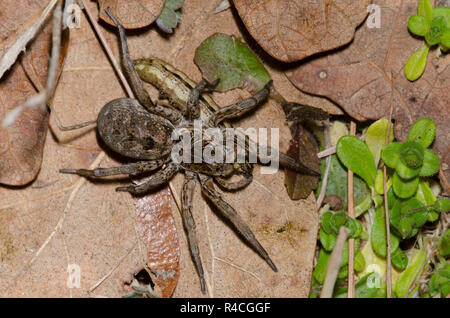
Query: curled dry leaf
point(21, 144)
point(156, 228)
point(358, 77)
point(133, 14)
point(303, 148)
point(292, 30)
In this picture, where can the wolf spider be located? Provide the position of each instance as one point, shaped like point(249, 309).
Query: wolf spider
point(140, 130)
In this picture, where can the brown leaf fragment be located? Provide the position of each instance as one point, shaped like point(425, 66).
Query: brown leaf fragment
point(304, 148)
point(156, 228)
point(358, 76)
point(21, 144)
point(132, 14)
point(292, 30)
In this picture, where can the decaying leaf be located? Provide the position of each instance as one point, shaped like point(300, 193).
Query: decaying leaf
point(156, 227)
point(21, 144)
point(358, 76)
point(304, 148)
point(292, 30)
point(132, 14)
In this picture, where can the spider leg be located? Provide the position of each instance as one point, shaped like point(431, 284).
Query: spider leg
point(131, 168)
point(189, 224)
point(157, 179)
point(243, 106)
point(133, 77)
point(192, 110)
point(230, 214)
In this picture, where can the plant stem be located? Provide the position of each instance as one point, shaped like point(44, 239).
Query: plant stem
point(351, 213)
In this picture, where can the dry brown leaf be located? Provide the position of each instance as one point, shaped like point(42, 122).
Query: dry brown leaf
point(21, 144)
point(156, 227)
point(133, 14)
point(358, 77)
point(292, 30)
point(94, 227)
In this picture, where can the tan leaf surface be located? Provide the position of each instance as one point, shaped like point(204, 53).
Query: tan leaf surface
point(21, 144)
point(292, 30)
point(133, 14)
point(65, 219)
point(358, 77)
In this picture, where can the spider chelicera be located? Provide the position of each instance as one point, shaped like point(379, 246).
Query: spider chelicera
point(140, 130)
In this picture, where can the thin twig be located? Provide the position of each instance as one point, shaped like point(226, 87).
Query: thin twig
point(42, 97)
point(323, 189)
point(351, 213)
point(109, 53)
point(334, 264)
point(386, 205)
point(10, 56)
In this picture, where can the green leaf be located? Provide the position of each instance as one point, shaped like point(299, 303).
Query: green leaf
point(359, 262)
point(321, 267)
point(425, 9)
point(226, 58)
point(326, 222)
point(327, 240)
point(407, 216)
point(430, 164)
point(445, 38)
point(444, 245)
point(337, 183)
point(442, 205)
point(418, 25)
point(411, 154)
point(404, 188)
point(399, 259)
point(378, 235)
point(437, 29)
point(376, 137)
point(407, 277)
point(168, 18)
point(424, 193)
point(415, 66)
point(356, 156)
point(442, 12)
point(391, 154)
point(440, 282)
point(337, 220)
point(405, 172)
point(423, 131)
point(368, 286)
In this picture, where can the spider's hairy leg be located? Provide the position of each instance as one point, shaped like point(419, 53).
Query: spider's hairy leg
point(130, 72)
point(288, 162)
point(192, 111)
point(155, 180)
point(230, 214)
point(242, 107)
point(189, 224)
point(131, 168)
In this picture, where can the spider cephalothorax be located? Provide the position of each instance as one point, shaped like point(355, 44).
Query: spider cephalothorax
point(141, 130)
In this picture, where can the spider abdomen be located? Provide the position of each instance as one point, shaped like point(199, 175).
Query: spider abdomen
point(132, 131)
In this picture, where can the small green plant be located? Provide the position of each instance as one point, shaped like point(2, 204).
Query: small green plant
point(412, 201)
point(434, 25)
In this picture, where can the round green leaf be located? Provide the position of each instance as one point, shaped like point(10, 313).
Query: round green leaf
point(430, 164)
point(437, 29)
point(399, 259)
point(411, 154)
point(359, 262)
point(418, 25)
point(423, 131)
point(356, 156)
point(404, 188)
point(327, 240)
point(337, 220)
point(326, 223)
point(391, 154)
point(442, 205)
point(416, 63)
point(405, 172)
